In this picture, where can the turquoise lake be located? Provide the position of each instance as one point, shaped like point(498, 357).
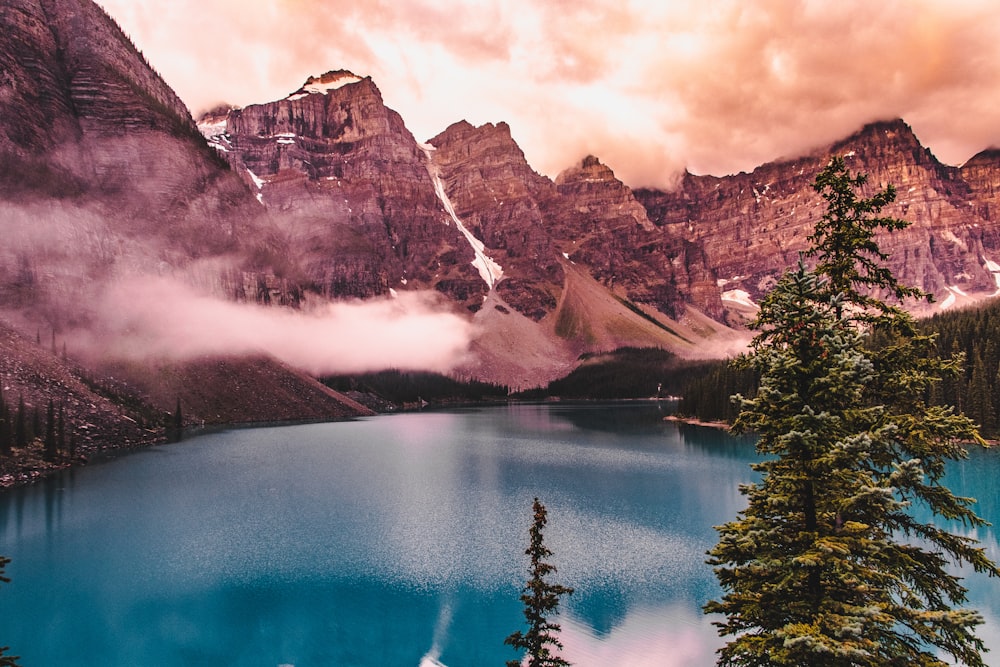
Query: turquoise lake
point(392, 540)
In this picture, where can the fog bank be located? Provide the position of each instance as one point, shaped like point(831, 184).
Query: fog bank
point(161, 318)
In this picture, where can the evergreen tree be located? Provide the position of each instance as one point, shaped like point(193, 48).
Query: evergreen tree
point(818, 570)
point(61, 429)
point(845, 245)
point(36, 424)
point(50, 432)
point(541, 601)
point(175, 424)
point(21, 424)
point(6, 430)
point(6, 660)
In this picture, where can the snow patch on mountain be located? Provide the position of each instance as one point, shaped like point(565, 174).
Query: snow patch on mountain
point(739, 296)
point(259, 182)
point(490, 271)
point(212, 127)
point(993, 268)
point(953, 294)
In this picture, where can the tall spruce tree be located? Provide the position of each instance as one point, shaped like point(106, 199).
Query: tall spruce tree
point(541, 601)
point(828, 565)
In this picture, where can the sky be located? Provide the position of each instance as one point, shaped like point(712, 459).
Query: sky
point(651, 87)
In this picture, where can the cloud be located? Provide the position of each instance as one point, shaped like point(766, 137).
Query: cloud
point(650, 87)
point(162, 318)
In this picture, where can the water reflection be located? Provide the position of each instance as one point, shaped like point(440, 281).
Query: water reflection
point(668, 636)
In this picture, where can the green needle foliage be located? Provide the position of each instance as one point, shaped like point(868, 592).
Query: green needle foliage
point(828, 566)
point(541, 601)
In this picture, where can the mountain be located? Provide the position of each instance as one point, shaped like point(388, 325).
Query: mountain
point(751, 226)
point(104, 177)
point(176, 256)
point(548, 270)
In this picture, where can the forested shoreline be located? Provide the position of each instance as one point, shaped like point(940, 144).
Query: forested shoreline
point(971, 332)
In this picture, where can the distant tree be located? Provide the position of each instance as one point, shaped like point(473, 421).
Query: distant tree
point(36, 424)
point(61, 428)
point(6, 660)
point(50, 432)
point(6, 427)
point(541, 602)
point(21, 438)
point(819, 569)
point(176, 426)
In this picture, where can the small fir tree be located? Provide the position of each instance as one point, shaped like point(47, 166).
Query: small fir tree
point(541, 602)
point(819, 569)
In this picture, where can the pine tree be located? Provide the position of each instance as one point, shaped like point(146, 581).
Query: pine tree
point(6, 430)
point(818, 570)
point(175, 424)
point(978, 396)
point(50, 432)
point(61, 429)
point(844, 242)
point(36, 424)
point(6, 660)
point(541, 601)
point(21, 424)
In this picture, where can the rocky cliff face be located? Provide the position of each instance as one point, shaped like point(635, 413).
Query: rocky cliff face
point(353, 192)
point(81, 105)
point(500, 199)
point(532, 223)
point(752, 226)
point(104, 176)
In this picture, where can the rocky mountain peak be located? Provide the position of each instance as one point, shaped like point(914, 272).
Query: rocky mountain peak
point(324, 83)
point(885, 142)
point(590, 168)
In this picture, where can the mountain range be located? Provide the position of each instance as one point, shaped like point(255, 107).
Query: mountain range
point(142, 245)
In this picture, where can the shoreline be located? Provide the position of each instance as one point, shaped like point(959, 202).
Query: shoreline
point(694, 421)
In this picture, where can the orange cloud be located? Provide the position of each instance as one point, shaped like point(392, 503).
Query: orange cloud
point(651, 87)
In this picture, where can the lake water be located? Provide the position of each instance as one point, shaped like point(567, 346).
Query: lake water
point(391, 540)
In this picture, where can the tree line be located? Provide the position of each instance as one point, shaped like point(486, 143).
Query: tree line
point(973, 335)
point(413, 387)
point(21, 425)
point(969, 336)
